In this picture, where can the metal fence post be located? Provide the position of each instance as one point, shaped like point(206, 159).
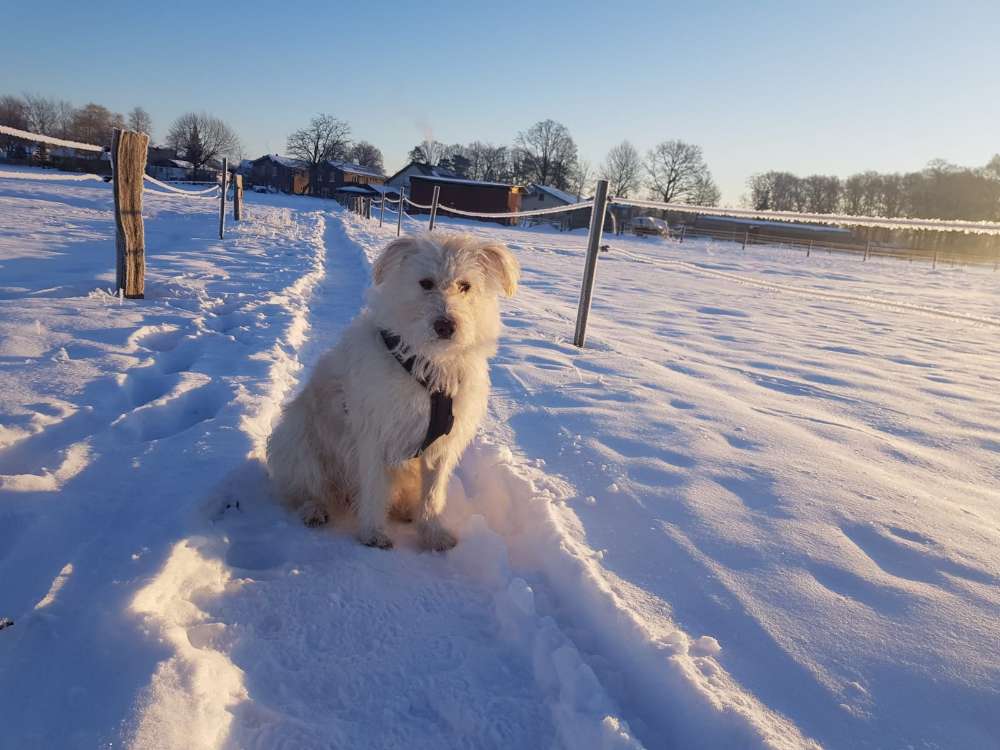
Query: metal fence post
point(597, 212)
point(434, 207)
point(237, 197)
point(402, 205)
point(128, 162)
point(222, 199)
point(381, 210)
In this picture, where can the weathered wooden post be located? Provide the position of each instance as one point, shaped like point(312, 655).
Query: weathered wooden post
point(996, 255)
point(402, 205)
point(809, 249)
point(237, 197)
point(434, 207)
point(597, 213)
point(222, 198)
point(683, 230)
point(934, 262)
point(368, 209)
point(128, 162)
point(746, 239)
point(381, 210)
point(868, 244)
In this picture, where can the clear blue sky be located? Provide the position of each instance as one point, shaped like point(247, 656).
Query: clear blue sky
point(806, 87)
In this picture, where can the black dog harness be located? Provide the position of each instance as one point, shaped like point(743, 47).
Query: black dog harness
point(442, 418)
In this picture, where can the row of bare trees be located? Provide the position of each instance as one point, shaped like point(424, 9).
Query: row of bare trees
point(328, 138)
point(546, 154)
point(196, 137)
point(940, 191)
point(91, 123)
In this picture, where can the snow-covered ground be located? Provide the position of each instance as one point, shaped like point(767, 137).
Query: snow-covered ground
point(759, 509)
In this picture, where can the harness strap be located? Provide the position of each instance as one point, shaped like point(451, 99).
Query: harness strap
point(442, 418)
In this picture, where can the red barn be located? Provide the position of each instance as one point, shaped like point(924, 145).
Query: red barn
point(467, 195)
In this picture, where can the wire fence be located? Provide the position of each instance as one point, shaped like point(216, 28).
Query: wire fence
point(601, 213)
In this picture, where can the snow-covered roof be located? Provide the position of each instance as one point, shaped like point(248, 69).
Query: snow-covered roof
point(428, 170)
point(349, 166)
point(558, 194)
point(285, 161)
point(460, 181)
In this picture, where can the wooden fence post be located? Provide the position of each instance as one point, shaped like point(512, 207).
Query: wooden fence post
point(746, 239)
point(434, 207)
point(809, 249)
point(222, 198)
point(381, 210)
point(402, 205)
point(597, 212)
point(128, 161)
point(683, 230)
point(237, 197)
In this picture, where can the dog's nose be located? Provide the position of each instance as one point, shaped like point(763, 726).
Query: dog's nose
point(444, 328)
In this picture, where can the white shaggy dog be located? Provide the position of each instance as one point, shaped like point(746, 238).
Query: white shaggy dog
point(388, 411)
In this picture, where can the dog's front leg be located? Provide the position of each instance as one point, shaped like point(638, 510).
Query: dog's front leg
point(433, 535)
point(374, 498)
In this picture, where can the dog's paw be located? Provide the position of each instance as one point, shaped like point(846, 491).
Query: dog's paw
point(375, 538)
point(314, 515)
point(435, 537)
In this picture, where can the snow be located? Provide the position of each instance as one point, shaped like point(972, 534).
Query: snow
point(758, 510)
point(349, 166)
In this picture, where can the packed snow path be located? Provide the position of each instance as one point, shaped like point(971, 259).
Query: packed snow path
point(759, 508)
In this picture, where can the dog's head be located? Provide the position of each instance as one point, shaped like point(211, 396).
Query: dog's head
point(439, 292)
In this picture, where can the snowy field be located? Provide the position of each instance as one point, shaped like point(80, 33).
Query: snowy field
point(761, 509)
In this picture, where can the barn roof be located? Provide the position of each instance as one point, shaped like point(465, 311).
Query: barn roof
point(348, 166)
point(558, 194)
point(428, 170)
point(285, 161)
point(460, 181)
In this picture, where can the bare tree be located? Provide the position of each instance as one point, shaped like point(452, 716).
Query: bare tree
point(622, 169)
point(43, 114)
point(583, 178)
point(13, 112)
point(428, 151)
point(706, 192)
point(201, 139)
point(546, 154)
point(140, 121)
point(674, 170)
point(93, 123)
point(325, 138)
point(366, 155)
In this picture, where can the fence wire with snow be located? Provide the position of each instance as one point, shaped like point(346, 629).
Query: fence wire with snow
point(127, 157)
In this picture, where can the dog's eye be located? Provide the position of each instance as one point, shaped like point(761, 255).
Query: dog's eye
point(427, 283)
point(464, 286)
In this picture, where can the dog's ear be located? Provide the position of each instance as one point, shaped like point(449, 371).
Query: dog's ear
point(501, 265)
point(391, 258)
